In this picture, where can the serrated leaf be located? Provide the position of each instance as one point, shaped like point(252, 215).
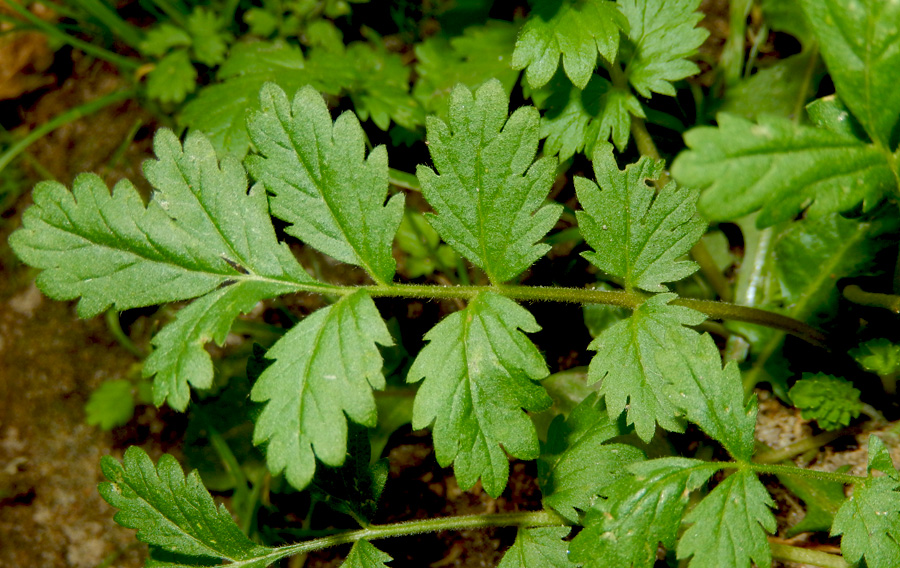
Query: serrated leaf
point(637, 234)
point(663, 34)
point(173, 77)
point(730, 525)
point(627, 361)
point(175, 512)
point(577, 31)
point(707, 394)
point(365, 555)
point(542, 547)
point(577, 120)
point(831, 401)
point(321, 183)
point(110, 405)
point(208, 42)
point(219, 110)
point(879, 356)
point(867, 521)
point(640, 511)
point(200, 231)
point(480, 371)
point(576, 462)
point(160, 38)
point(488, 192)
point(859, 41)
point(325, 366)
point(780, 167)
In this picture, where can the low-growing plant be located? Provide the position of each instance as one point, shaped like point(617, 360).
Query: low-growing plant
point(207, 235)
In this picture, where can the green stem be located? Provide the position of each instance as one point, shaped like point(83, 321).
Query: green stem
point(404, 180)
point(806, 556)
point(800, 447)
point(803, 472)
point(131, 35)
point(859, 296)
point(59, 120)
point(173, 13)
point(115, 327)
point(59, 35)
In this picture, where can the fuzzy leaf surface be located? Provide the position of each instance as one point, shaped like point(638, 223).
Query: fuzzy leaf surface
point(175, 512)
point(860, 42)
point(831, 401)
point(576, 462)
point(730, 525)
point(627, 361)
point(539, 547)
point(324, 367)
point(488, 192)
point(640, 511)
point(663, 34)
point(780, 167)
point(868, 519)
point(707, 394)
point(365, 555)
point(577, 31)
point(480, 371)
point(637, 234)
point(322, 183)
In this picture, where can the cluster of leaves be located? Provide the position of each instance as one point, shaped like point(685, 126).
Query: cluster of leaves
point(207, 236)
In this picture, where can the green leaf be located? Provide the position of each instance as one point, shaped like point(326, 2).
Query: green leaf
point(663, 35)
point(730, 525)
point(110, 405)
point(325, 366)
point(481, 53)
point(787, 16)
point(878, 356)
point(627, 361)
point(208, 42)
point(858, 40)
point(577, 31)
point(577, 120)
point(220, 109)
point(416, 238)
point(201, 230)
point(173, 78)
point(480, 372)
point(780, 89)
point(830, 401)
point(641, 511)
point(637, 234)
point(488, 193)
point(822, 500)
point(576, 462)
point(538, 547)
point(160, 38)
point(780, 167)
point(321, 183)
point(175, 513)
point(365, 555)
point(707, 394)
point(829, 112)
point(868, 519)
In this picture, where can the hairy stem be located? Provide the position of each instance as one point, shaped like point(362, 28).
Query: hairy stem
point(844, 478)
point(806, 556)
point(801, 446)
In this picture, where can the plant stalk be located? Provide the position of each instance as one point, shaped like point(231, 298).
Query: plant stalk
point(859, 296)
point(806, 556)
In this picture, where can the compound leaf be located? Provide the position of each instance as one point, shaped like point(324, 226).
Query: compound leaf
point(324, 367)
point(860, 42)
point(488, 193)
point(640, 511)
point(538, 547)
point(480, 372)
point(636, 234)
point(576, 462)
point(577, 31)
point(663, 34)
point(868, 519)
point(365, 555)
point(175, 512)
point(627, 361)
point(730, 524)
point(780, 167)
point(320, 181)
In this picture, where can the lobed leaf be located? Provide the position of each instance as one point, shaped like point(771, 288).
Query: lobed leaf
point(480, 371)
point(535, 547)
point(636, 234)
point(831, 401)
point(321, 183)
point(175, 512)
point(730, 525)
point(577, 31)
point(860, 42)
point(488, 193)
point(324, 367)
point(577, 462)
point(780, 167)
point(365, 555)
point(640, 511)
